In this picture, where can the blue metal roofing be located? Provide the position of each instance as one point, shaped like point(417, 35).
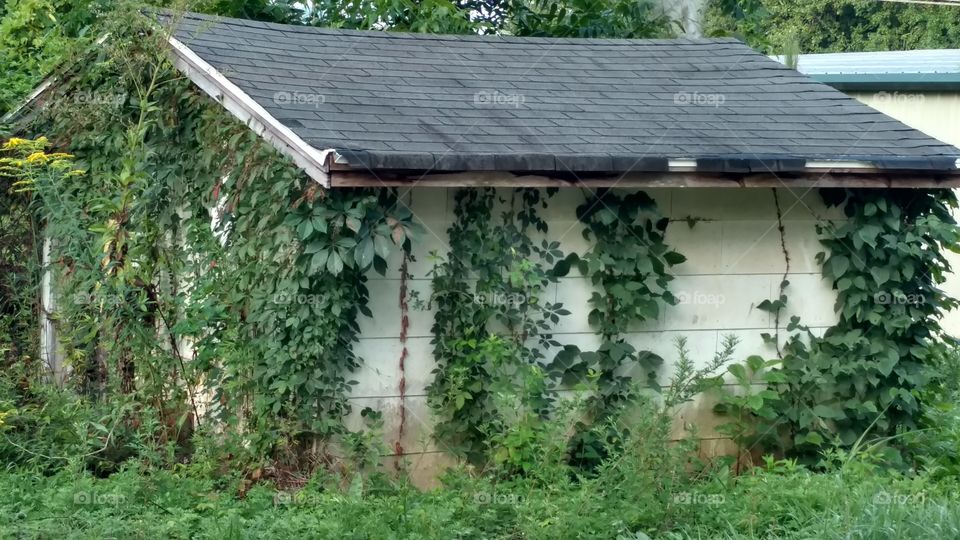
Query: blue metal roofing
point(931, 69)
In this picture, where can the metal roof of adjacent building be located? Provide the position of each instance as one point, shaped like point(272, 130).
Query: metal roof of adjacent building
point(383, 100)
point(930, 69)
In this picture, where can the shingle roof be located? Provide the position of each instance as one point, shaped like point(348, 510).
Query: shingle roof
point(442, 102)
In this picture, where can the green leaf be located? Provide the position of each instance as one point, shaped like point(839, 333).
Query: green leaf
point(305, 229)
point(673, 258)
point(838, 266)
point(887, 362)
point(880, 274)
point(382, 246)
point(868, 233)
point(318, 260)
point(319, 224)
point(314, 247)
point(738, 371)
point(353, 224)
point(562, 268)
point(648, 309)
point(364, 253)
point(826, 411)
point(335, 263)
point(814, 438)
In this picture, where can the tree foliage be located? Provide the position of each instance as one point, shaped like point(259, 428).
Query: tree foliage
point(834, 25)
point(36, 36)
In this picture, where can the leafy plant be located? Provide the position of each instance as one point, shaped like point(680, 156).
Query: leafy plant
point(867, 375)
point(751, 405)
point(494, 274)
point(628, 264)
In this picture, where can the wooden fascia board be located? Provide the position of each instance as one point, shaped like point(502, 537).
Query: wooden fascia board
point(844, 179)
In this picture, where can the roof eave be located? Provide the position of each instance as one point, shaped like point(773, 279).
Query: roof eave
point(899, 82)
point(314, 162)
point(839, 176)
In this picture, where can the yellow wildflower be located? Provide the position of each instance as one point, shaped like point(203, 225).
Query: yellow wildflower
point(14, 142)
point(37, 157)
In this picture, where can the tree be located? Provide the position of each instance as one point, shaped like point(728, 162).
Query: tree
point(589, 18)
point(834, 25)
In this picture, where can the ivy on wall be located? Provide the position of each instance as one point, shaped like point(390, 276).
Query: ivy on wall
point(628, 265)
point(157, 305)
point(865, 377)
point(504, 274)
point(492, 324)
point(886, 263)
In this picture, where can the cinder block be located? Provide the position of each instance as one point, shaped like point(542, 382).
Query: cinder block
point(751, 247)
point(723, 204)
point(719, 302)
point(700, 244)
point(812, 298)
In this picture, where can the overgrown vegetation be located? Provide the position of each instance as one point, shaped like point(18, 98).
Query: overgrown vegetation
point(492, 280)
point(644, 491)
point(209, 366)
point(267, 300)
point(869, 376)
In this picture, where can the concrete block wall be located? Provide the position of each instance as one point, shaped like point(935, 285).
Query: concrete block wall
point(735, 260)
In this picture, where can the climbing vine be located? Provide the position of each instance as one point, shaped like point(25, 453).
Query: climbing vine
point(202, 275)
point(492, 322)
point(197, 267)
point(627, 264)
point(865, 377)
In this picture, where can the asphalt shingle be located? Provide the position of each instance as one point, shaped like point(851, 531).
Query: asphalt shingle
point(421, 101)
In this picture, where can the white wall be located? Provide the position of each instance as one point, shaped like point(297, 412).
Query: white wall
point(734, 257)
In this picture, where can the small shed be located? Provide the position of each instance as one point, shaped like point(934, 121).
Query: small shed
point(731, 145)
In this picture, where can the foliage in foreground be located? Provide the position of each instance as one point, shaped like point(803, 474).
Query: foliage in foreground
point(646, 487)
point(624, 501)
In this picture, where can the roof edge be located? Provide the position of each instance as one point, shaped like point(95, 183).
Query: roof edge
point(913, 82)
point(644, 180)
point(605, 164)
point(251, 113)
